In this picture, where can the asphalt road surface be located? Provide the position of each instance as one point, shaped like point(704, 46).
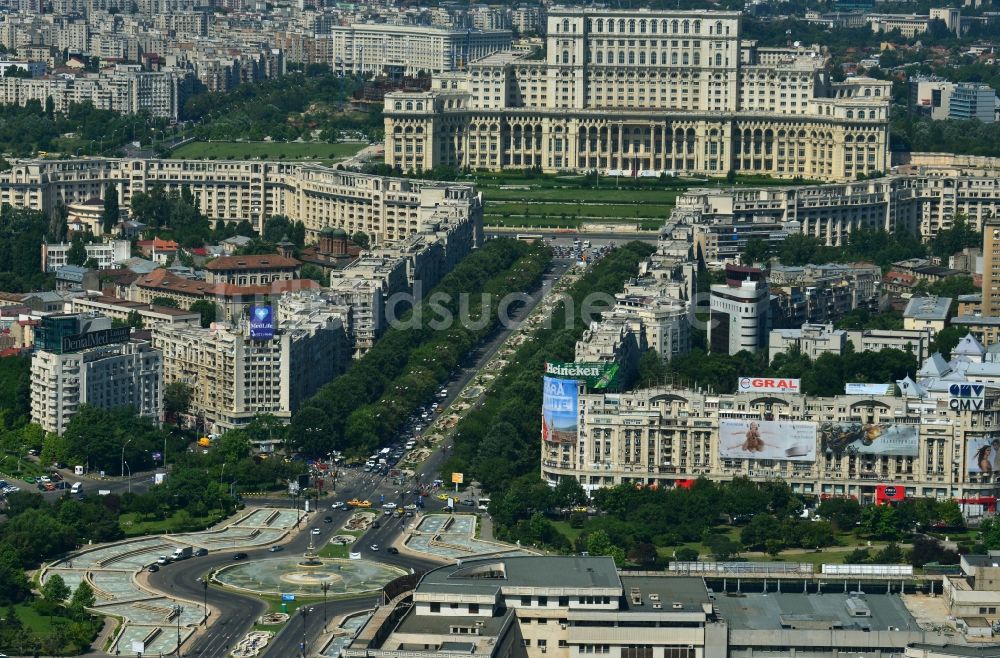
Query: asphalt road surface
point(236, 613)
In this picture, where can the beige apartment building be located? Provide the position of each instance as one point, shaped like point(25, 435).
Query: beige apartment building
point(642, 92)
point(819, 446)
point(235, 377)
point(385, 208)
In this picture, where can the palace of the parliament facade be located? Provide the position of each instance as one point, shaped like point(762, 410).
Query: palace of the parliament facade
point(641, 92)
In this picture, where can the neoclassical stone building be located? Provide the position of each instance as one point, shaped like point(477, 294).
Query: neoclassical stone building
point(639, 92)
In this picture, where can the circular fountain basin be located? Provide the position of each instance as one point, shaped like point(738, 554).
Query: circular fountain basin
point(286, 575)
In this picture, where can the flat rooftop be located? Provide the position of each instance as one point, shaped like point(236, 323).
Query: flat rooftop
point(488, 574)
point(759, 611)
point(690, 593)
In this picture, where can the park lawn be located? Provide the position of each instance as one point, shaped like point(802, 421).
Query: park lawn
point(582, 195)
point(267, 150)
point(588, 210)
point(8, 466)
point(179, 521)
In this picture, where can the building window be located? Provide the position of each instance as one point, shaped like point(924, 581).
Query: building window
point(435, 607)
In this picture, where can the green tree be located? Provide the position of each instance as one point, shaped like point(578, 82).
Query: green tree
point(83, 596)
point(77, 253)
point(13, 583)
point(361, 239)
point(176, 399)
point(598, 543)
point(111, 213)
point(165, 301)
point(54, 589)
point(314, 272)
point(756, 251)
point(207, 310)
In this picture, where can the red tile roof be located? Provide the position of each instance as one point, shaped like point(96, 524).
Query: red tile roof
point(255, 262)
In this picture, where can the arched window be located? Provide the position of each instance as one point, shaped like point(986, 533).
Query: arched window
point(420, 107)
point(642, 27)
point(642, 58)
point(673, 58)
point(565, 25)
point(696, 58)
point(718, 59)
point(673, 27)
point(621, 57)
point(878, 92)
point(565, 57)
point(611, 26)
point(868, 92)
point(409, 105)
point(697, 27)
point(687, 27)
point(652, 58)
point(398, 105)
point(718, 27)
point(600, 57)
point(850, 114)
point(621, 25)
point(652, 26)
point(611, 57)
point(631, 57)
point(685, 59)
point(631, 26)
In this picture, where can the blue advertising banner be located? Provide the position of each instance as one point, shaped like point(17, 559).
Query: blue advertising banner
point(559, 410)
point(262, 323)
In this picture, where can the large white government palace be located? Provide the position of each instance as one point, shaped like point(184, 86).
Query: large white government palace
point(643, 92)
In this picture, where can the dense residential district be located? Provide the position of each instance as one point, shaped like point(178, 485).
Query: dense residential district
point(640, 329)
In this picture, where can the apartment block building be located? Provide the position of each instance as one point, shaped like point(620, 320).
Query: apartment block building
point(235, 375)
point(106, 254)
point(321, 197)
point(378, 49)
point(119, 371)
point(643, 92)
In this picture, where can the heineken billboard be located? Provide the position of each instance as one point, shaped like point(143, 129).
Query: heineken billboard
point(596, 375)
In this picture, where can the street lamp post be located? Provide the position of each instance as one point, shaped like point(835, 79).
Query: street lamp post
point(123, 456)
point(326, 588)
point(178, 610)
point(204, 583)
point(129, 476)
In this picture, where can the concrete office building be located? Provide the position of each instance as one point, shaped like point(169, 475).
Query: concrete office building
point(639, 92)
point(121, 374)
point(106, 254)
point(740, 312)
point(573, 606)
point(235, 377)
point(321, 197)
point(810, 340)
point(916, 341)
point(930, 313)
point(379, 49)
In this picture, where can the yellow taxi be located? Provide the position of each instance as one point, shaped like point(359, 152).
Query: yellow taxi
point(354, 502)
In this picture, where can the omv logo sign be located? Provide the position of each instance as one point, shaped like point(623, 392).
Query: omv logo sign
point(262, 323)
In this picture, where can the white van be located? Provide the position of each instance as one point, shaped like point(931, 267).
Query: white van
point(76, 488)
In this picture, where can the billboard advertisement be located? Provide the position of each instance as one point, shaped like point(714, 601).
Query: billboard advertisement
point(98, 338)
point(596, 375)
point(852, 388)
point(889, 493)
point(874, 439)
point(983, 455)
point(767, 439)
point(767, 385)
point(262, 323)
point(559, 410)
point(967, 397)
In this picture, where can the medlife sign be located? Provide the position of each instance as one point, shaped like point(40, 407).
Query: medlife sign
point(967, 397)
point(767, 385)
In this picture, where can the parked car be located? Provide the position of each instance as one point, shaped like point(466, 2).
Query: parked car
point(315, 531)
point(327, 519)
point(163, 560)
point(374, 547)
point(338, 505)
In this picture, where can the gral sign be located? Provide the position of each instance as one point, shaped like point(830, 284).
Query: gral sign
point(767, 385)
point(262, 323)
point(967, 397)
point(559, 410)
point(767, 439)
point(596, 375)
point(854, 388)
point(97, 338)
point(983, 455)
point(870, 439)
